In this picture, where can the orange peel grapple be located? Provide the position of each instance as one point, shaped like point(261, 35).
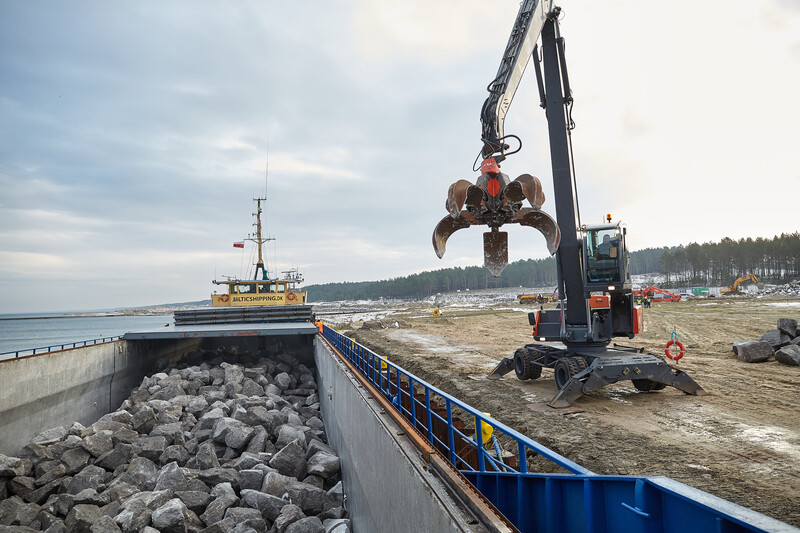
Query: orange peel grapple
point(492, 201)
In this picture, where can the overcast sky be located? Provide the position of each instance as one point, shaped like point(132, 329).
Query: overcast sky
point(133, 136)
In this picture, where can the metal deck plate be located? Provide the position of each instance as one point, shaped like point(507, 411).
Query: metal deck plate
point(225, 330)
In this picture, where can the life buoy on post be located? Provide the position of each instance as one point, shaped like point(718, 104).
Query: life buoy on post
point(291, 296)
point(668, 353)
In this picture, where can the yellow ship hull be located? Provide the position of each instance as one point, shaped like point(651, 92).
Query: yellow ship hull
point(245, 300)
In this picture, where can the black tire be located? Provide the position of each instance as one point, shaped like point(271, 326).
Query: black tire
point(524, 366)
point(582, 363)
point(646, 385)
point(565, 368)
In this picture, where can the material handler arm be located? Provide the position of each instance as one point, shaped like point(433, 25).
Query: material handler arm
point(521, 45)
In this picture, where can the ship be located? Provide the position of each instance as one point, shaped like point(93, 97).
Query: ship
point(264, 290)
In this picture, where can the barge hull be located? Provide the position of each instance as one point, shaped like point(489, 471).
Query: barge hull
point(391, 484)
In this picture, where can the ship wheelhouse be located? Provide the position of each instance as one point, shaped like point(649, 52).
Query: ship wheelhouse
point(258, 292)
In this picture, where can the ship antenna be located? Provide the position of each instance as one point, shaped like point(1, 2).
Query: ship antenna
point(266, 173)
point(259, 240)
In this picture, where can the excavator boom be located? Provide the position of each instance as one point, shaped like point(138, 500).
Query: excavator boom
point(494, 199)
point(657, 295)
point(527, 28)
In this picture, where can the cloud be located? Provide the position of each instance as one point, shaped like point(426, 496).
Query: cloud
point(31, 263)
point(292, 164)
point(134, 137)
point(794, 51)
point(436, 33)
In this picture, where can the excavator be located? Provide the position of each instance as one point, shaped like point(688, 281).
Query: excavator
point(734, 289)
point(595, 300)
point(657, 295)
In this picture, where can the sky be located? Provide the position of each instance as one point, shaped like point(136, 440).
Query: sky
point(134, 136)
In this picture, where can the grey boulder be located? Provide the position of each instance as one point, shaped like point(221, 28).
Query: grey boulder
point(789, 355)
point(310, 524)
point(753, 351)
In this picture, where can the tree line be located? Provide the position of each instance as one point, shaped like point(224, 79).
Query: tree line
point(775, 260)
point(530, 272)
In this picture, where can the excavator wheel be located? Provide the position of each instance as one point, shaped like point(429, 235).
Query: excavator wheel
point(646, 385)
point(566, 367)
point(524, 366)
point(582, 363)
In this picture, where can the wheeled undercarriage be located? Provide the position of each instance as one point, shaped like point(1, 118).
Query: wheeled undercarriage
point(577, 374)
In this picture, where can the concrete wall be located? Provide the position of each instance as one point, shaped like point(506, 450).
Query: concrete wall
point(81, 384)
point(380, 467)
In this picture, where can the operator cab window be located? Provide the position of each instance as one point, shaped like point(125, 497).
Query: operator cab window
point(602, 250)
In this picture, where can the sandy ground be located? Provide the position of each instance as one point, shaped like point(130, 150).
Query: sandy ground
point(740, 442)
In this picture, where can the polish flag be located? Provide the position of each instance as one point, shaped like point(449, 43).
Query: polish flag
point(238, 244)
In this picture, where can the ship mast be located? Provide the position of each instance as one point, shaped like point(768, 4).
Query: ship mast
point(259, 240)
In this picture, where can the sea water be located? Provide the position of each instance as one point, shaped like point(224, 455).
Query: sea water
point(22, 332)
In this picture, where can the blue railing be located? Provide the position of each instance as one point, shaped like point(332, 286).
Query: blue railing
point(56, 347)
point(578, 501)
point(406, 392)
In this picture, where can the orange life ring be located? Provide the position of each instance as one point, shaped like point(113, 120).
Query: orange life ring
point(291, 296)
point(673, 342)
point(223, 297)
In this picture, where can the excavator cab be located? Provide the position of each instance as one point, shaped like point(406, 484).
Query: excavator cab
point(605, 257)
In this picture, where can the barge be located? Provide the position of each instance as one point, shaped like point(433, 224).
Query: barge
point(399, 438)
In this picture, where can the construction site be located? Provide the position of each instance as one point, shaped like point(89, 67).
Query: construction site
point(740, 442)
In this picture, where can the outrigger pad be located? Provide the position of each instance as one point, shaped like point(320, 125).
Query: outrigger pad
point(505, 366)
point(682, 381)
point(566, 396)
point(604, 371)
point(495, 251)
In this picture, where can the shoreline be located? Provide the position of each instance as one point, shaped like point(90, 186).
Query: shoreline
point(109, 314)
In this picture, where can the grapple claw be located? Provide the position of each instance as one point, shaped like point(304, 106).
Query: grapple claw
point(544, 223)
point(474, 197)
point(446, 227)
point(495, 251)
point(456, 195)
point(514, 192)
point(532, 189)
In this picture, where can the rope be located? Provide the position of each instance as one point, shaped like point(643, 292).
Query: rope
point(674, 332)
point(497, 450)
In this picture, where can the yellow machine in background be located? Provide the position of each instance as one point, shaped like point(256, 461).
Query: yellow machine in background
point(540, 298)
point(735, 287)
